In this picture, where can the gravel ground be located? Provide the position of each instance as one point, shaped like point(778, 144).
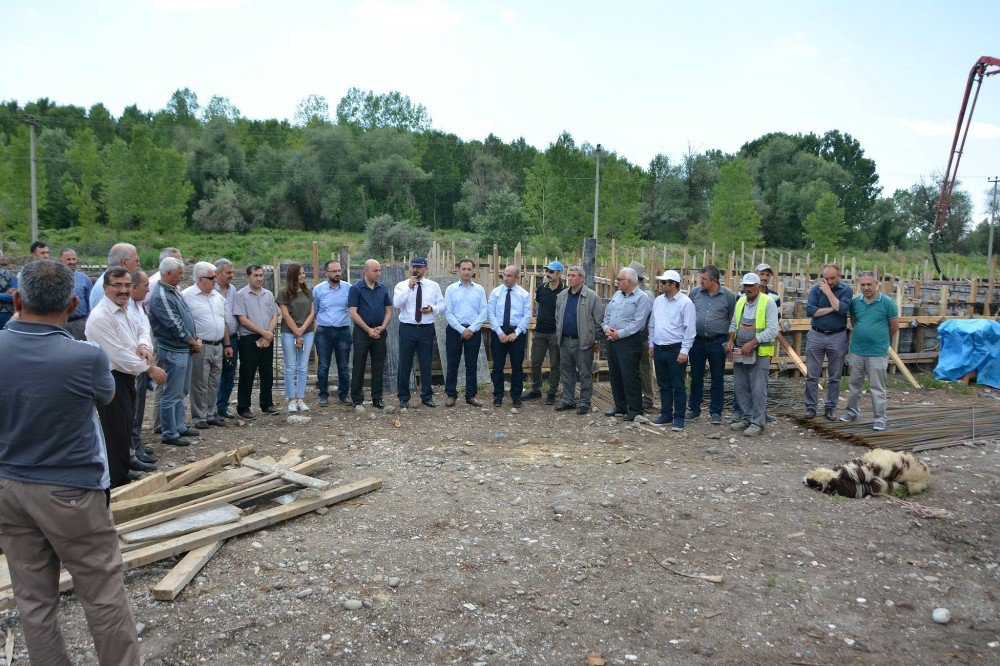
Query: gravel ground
point(531, 537)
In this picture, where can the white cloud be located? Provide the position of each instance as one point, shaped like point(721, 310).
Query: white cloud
point(406, 16)
point(986, 131)
point(194, 6)
point(798, 44)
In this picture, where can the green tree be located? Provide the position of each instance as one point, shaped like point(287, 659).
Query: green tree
point(486, 177)
point(733, 216)
point(222, 210)
point(824, 228)
point(917, 208)
point(504, 222)
point(15, 183)
point(370, 110)
point(52, 146)
point(145, 186)
point(312, 110)
point(82, 180)
point(387, 236)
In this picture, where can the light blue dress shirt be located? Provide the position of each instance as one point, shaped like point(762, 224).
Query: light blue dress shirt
point(465, 305)
point(628, 314)
point(331, 304)
point(520, 308)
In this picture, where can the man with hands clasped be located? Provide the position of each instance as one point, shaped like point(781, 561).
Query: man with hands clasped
point(752, 336)
point(509, 312)
point(672, 326)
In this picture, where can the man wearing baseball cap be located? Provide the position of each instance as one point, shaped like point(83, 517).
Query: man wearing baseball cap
point(672, 325)
point(418, 301)
point(752, 336)
point(544, 339)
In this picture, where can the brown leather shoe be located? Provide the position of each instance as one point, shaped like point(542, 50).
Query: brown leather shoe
point(474, 401)
point(450, 402)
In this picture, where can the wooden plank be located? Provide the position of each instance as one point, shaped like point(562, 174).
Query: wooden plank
point(216, 515)
point(795, 357)
point(142, 506)
point(200, 469)
point(287, 475)
point(902, 367)
point(140, 488)
point(184, 572)
point(235, 456)
point(182, 544)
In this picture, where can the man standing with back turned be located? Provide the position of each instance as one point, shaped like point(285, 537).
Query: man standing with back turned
point(54, 488)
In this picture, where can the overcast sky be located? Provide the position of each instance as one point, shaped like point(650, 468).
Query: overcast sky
point(641, 78)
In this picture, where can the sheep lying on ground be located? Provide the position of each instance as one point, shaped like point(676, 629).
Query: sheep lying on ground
point(880, 471)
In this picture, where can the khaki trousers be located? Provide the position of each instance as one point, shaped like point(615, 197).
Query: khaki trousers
point(43, 525)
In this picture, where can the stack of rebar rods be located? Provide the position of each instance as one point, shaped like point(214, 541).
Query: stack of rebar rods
point(918, 427)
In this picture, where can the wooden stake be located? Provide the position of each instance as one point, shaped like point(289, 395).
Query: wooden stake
point(902, 368)
point(184, 572)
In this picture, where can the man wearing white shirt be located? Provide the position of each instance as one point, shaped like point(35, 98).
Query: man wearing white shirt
point(465, 310)
point(110, 326)
point(509, 312)
point(224, 272)
point(208, 308)
point(418, 300)
point(672, 326)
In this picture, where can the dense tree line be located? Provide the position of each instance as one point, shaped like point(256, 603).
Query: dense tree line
point(379, 157)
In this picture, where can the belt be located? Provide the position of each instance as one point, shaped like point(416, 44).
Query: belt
point(211, 342)
point(675, 345)
point(340, 328)
point(571, 337)
point(711, 338)
point(836, 330)
point(430, 323)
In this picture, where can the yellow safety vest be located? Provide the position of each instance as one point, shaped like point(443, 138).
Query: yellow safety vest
point(760, 322)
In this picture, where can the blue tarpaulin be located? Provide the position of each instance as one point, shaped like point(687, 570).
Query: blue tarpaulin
point(967, 345)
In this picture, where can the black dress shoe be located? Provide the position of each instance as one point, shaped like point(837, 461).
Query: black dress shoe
point(429, 403)
point(141, 456)
point(378, 404)
point(810, 413)
point(140, 466)
point(245, 414)
point(517, 403)
point(829, 414)
point(550, 400)
point(228, 414)
point(177, 441)
point(134, 475)
point(631, 416)
point(614, 411)
point(270, 410)
point(201, 425)
point(583, 409)
point(565, 408)
point(532, 394)
point(189, 432)
point(497, 402)
point(217, 422)
point(405, 404)
point(146, 451)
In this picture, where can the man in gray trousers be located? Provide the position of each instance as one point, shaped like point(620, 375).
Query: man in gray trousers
point(752, 337)
point(579, 314)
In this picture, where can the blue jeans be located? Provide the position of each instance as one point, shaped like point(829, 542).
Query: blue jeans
point(296, 364)
point(670, 377)
point(178, 367)
point(228, 378)
point(330, 340)
point(701, 351)
point(419, 339)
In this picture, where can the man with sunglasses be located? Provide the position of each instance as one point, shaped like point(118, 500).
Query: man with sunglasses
point(544, 339)
point(208, 308)
point(874, 319)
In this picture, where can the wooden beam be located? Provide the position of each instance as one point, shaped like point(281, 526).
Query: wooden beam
point(287, 475)
point(234, 458)
point(182, 544)
point(795, 357)
point(902, 368)
point(140, 488)
point(200, 469)
point(184, 572)
point(216, 515)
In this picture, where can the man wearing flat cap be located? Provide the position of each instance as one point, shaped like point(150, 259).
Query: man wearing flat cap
point(753, 333)
point(544, 339)
point(419, 301)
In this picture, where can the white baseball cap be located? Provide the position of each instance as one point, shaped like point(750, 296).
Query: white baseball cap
point(751, 278)
point(670, 275)
point(763, 267)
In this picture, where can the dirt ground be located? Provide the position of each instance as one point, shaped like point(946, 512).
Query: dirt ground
point(538, 538)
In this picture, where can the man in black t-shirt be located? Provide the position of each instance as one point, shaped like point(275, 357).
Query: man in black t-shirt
point(544, 339)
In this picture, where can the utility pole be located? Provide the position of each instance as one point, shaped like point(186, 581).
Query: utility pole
point(597, 188)
point(32, 123)
point(993, 220)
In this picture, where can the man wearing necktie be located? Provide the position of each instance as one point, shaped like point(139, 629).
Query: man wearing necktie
point(418, 300)
point(509, 311)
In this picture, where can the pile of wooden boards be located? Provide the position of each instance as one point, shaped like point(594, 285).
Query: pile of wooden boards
point(193, 509)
